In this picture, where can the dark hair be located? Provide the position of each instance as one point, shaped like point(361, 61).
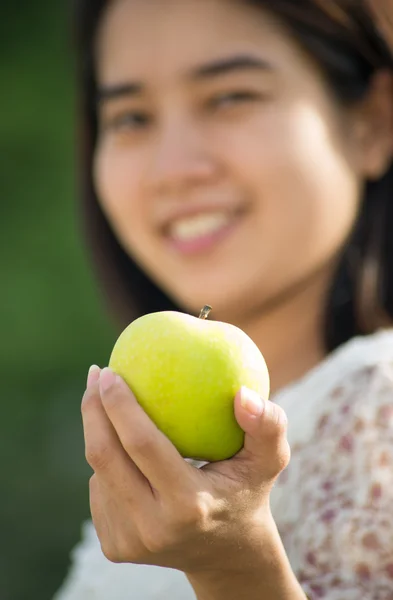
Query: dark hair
point(343, 36)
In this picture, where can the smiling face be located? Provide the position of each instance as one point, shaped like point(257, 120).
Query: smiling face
point(225, 166)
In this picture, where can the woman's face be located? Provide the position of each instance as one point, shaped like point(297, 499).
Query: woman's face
point(224, 165)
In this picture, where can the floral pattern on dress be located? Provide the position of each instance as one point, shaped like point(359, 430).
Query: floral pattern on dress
point(340, 537)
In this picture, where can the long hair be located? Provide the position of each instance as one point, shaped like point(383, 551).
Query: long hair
point(350, 40)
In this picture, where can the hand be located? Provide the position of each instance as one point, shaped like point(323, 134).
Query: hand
point(150, 506)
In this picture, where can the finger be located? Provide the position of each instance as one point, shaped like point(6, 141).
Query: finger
point(98, 515)
point(265, 447)
point(93, 375)
point(117, 525)
point(149, 448)
point(104, 452)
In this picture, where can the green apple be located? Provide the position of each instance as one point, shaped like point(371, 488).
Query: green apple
point(185, 372)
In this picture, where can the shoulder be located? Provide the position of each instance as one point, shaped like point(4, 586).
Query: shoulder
point(355, 372)
point(367, 354)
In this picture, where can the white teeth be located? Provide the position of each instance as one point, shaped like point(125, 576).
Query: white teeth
point(192, 228)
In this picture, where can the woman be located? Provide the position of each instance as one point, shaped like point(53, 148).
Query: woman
point(241, 154)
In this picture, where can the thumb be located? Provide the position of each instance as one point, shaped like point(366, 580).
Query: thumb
point(265, 427)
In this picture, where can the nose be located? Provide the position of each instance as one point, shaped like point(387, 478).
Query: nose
point(180, 157)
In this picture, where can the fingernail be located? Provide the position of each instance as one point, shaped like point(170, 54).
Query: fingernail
point(93, 375)
point(251, 402)
point(107, 379)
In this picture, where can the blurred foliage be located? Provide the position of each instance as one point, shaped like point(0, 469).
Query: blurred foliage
point(53, 323)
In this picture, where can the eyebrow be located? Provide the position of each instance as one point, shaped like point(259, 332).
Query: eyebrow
point(242, 62)
point(112, 92)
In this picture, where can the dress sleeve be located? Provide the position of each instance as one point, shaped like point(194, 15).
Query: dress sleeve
point(93, 577)
point(343, 539)
point(78, 584)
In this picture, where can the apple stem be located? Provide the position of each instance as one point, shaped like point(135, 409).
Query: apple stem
point(205, 312)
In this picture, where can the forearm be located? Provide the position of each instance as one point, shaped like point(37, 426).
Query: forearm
point(268, 576)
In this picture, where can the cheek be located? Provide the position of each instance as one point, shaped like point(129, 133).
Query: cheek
point(118, 191)
point(306, 191)
point(321, 187)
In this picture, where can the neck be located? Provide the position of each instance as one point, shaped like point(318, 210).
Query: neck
point(290, 334)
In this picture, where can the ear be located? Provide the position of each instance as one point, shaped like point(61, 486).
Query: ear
point(374, 127)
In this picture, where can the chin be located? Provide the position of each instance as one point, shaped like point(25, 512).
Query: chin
point(227, 305)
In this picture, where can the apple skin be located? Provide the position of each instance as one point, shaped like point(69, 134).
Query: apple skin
point(185, 371)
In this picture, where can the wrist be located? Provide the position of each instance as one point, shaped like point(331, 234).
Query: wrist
point(259, 572)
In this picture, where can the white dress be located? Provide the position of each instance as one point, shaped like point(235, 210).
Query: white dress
point(333, 505)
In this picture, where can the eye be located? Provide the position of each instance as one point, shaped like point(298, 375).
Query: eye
point(127, 121)
point(234, 98)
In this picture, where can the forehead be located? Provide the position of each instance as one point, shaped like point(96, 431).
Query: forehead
point(167, 36)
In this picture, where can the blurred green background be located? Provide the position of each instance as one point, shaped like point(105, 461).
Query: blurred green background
point(53, 320)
